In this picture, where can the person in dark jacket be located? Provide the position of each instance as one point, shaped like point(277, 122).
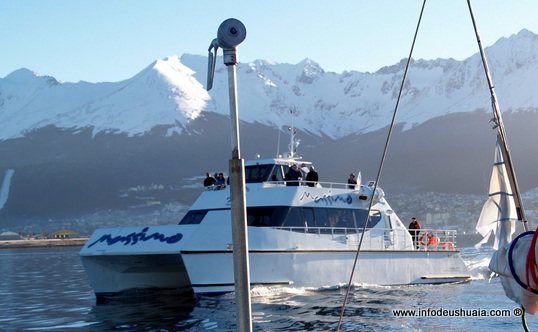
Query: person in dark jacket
point(414, 230)
point(352, 181)
point(294, 176)
point(220, 181)
point(209, 180)
point(312, 177)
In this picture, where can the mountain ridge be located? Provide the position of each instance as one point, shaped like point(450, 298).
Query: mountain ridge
point(170, 93)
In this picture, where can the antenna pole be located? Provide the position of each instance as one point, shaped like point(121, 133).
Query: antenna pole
point(292, 137)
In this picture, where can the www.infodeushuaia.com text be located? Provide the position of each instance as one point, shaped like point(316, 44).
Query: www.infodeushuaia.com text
point(461, 312)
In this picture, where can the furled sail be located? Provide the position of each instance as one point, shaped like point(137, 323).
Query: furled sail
point(498, 214)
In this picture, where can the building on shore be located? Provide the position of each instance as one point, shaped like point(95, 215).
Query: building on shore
point(64, 234)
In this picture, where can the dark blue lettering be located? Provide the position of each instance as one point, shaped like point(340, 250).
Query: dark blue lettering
point(128, 238)
point(174, 238)
point(134, 238)
point(156, 236)
point(329, 200)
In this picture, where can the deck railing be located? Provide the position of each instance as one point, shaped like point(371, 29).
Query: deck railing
point(386, 239)
point(436, 239)
point(331, 185)
point(295, 183)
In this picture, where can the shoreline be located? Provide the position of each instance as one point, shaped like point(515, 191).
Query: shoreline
point(10, 244)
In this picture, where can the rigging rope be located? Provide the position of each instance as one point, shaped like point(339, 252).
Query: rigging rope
point(524, 320)
point(380, 167)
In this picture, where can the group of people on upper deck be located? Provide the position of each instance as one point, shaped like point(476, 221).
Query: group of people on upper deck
point(294, 176)
point(218, 181)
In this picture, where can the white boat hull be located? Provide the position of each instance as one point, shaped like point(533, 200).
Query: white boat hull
point(205, 263)
point(325, 269)
point(136, 260)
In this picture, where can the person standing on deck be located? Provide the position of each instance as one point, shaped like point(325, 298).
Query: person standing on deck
point(352, 181)
point(220, 181)
point(312, 177)
point(414, 230)
point(294, 176)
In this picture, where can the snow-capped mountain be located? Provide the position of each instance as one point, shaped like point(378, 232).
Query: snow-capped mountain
point(164, 93)
point(83, 147)
point(170, 93)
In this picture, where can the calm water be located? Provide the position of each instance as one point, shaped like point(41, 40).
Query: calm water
point(46, 289)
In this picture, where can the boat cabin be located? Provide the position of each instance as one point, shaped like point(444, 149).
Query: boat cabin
point(296, 218)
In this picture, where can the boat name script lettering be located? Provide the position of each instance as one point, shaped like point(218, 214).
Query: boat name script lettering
point(328, 199)
point(135, 237)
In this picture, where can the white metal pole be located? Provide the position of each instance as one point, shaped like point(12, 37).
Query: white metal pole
point(230, 34)
point(239, 215)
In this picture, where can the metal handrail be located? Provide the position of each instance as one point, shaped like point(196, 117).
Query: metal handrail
point(384, 238)
point(330, 185)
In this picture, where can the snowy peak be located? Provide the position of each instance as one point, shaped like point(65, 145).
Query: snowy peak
point(24, 82)
point(311, 70)
point(393, 69)
point(25, 76)
point(170, 93)
point(517, 52)
point(164, 93)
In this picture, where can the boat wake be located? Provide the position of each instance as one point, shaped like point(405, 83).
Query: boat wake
point(477, 261)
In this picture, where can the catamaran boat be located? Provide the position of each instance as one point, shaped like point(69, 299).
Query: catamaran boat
point(300, 234)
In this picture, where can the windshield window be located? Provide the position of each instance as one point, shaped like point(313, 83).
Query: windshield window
point(283, 216)
point(257, 173)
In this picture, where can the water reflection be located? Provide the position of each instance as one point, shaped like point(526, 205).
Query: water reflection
point(162, 313)
point(46, 289)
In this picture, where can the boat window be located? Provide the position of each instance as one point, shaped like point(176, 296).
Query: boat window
point(277, 174)
point(278, 216)
point(360, 215)
point(342, 218)
point(308, 217)
point(321, 217)
point(327, 217)
point(258, 173)
point(266, 216)
point(294, 218)
point(193, 217)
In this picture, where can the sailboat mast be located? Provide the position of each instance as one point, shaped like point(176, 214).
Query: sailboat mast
point(501, 133)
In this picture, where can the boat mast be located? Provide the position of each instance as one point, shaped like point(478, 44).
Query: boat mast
point(501, 133)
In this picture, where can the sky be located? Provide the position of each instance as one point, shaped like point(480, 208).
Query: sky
point(113, 40)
